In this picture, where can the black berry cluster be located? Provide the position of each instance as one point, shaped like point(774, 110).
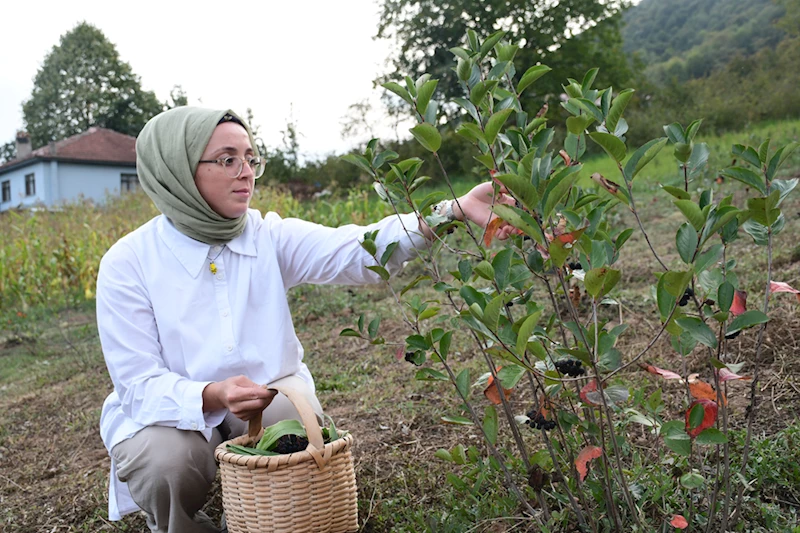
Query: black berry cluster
point(687, 295)
point(291, 444)
point(537, 421)
point(570, 367)
point(575, 266)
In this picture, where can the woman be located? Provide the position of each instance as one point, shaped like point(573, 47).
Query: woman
point(193, 315)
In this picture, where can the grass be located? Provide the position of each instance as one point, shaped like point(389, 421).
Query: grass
point(53, 467)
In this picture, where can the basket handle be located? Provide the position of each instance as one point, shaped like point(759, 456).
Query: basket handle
point(295, 389)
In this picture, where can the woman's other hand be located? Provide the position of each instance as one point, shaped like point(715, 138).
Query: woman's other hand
point(239, 395)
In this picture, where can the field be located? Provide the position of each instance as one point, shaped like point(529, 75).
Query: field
point(53, 467)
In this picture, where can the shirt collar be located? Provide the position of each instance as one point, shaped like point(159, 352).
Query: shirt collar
point(193, 254)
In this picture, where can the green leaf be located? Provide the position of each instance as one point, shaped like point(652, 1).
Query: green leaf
point(490, 424)
point(692, 480)
point(491, 314)
point(763, 151)
point(462, 383)
point(479, 91)
point(643, 156)
point(747, 153)
point(349, 332)
point(680, 194)
point(510, 375)
point(611, 144)
point(424, 95)
point(725, 296)
point(780, 156)
point(531, 75)
point(278, 430)
point(429, 374)
point(370, 246)
point(692, 212)
point(387, 254)
point(748, 319)
point(708, 258)
point(600, 281)
point(459, 420)
point(359, 161)
point(399, 90)
point(676, 281)
point(443, 454)
point(698, 330)
point(711, 436)
point(428, 136)
point(490, 41)
point(521, 188)
point(691, 129)
point(382, 272)
point(683, 151)
point(617, 108)
point(746, 176)
point(762, 210)
point(372, 329)
point(520, 220)
point(686, 240)
point(588, 107)
point(696, 415)
point(577, 125)
point(558, 187)
point(698, 159)
point(675, 133)
point(485, 270)
point(676, 438)
point(494, 124)
point(526, 330)
point(444, 344)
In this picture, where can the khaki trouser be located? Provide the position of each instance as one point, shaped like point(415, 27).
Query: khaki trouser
point(169, 471)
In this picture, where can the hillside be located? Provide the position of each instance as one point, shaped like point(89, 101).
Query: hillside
point(687, 39)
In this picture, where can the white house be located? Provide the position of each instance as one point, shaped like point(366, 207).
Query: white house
point(89, 165)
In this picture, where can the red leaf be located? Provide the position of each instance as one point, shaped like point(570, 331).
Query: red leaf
point(709, 417)
point(586, 455)
point(701, 390)
point(491, 229)
point(739, 304)
point(726, 375)
point(779, 286)
point(400, 354)
point(679, 522)
point(609, 185)
point(589, 387)
point(492, 393)
point(565, 156)
point(666, 374)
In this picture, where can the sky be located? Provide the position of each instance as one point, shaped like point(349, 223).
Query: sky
point(305, 61)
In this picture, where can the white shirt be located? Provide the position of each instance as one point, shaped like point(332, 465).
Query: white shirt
point(169, 327)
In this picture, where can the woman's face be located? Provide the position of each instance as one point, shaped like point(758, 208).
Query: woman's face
point(229, 197)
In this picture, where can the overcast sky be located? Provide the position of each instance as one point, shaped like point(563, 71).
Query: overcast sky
point(308, 59)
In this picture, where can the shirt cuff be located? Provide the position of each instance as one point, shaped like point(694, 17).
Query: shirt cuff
point(192, 416)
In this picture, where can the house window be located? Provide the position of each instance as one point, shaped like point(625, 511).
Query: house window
point(30, 185)
point(6, 191)
point(128, 182)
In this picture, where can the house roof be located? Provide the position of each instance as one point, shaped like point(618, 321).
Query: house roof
point(95, 145)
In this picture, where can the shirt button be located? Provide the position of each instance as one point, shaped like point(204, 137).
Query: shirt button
point(224, 313)
point(229, 348)
point(215, 249)
point(194, 425)
point(220, 276)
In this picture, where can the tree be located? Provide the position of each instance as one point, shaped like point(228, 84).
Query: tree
point(568, 36)
point(83, 83)
point(8, 151)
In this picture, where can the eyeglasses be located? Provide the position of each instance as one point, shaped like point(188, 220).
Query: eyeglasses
point(234, 165)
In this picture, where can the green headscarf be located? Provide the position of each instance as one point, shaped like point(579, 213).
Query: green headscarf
point(167, 153)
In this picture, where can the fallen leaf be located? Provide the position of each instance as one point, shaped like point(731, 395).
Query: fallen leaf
point(739, 304)
point(575, 296)
point(400, 353)
point(666, 374)
point(586, 455)
point(492, 393)
point(491, 229)
point(565, 156)
point(709, 417)
point(589, 387)
point(701, 390)
point(726, 375)
point(679, 522)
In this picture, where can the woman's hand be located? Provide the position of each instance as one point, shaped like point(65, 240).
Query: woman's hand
point(476, 206)
point(239, 395)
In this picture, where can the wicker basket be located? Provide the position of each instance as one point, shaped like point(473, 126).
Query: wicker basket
point(303, 492)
